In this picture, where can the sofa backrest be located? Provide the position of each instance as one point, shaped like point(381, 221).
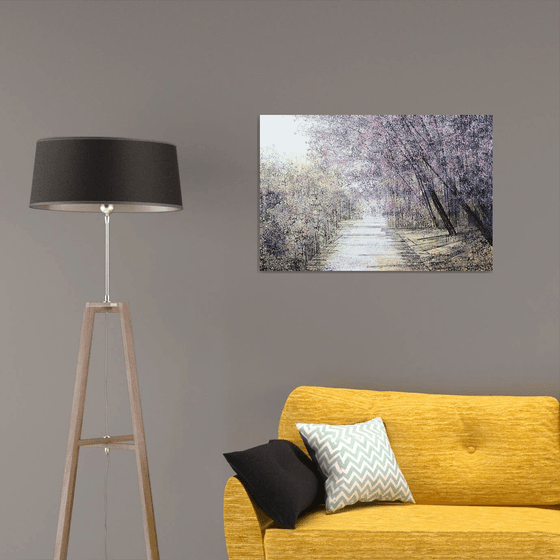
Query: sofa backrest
point(462, 450)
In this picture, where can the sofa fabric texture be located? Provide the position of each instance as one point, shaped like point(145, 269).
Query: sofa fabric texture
point(452, 450)
point(245, 523)
point(420, 532)
point(357, 463)
point(280, 477)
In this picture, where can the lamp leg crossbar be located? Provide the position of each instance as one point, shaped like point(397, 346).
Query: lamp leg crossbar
point(138, 442)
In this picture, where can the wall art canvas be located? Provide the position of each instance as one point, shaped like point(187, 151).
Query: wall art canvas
point(376, 193)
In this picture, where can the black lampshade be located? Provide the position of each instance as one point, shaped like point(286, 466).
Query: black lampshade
point(79, 174)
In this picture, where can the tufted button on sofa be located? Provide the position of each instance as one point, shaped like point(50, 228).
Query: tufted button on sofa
point(484, 472)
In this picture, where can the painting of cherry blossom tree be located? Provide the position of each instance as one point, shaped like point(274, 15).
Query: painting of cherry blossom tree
point(376, 193)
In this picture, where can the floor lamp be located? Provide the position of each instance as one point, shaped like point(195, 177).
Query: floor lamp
point(105, 175)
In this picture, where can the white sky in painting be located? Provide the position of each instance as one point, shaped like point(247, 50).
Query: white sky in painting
point(280, 131)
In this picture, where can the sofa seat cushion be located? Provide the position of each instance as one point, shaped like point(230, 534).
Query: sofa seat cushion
point(423, 532)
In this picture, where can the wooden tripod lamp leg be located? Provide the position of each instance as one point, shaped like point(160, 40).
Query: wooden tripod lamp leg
point(76, 419)
point(139, 437)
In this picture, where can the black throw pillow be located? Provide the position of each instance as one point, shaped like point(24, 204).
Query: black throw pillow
point(280, 477)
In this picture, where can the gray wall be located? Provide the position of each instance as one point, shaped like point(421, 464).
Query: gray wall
point(219, 345)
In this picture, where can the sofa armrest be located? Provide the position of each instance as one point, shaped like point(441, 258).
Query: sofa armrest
point(244, 523)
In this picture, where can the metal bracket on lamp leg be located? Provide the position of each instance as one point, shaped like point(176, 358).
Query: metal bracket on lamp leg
point(75, 442)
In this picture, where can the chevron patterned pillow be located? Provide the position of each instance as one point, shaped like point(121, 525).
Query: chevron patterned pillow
point(357, 462)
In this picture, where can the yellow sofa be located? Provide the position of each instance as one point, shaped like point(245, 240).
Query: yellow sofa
point(484, 472)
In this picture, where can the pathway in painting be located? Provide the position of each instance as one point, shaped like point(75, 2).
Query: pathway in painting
point(367, 245)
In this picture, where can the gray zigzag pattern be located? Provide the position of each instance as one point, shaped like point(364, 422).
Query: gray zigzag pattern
point(358, 462)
